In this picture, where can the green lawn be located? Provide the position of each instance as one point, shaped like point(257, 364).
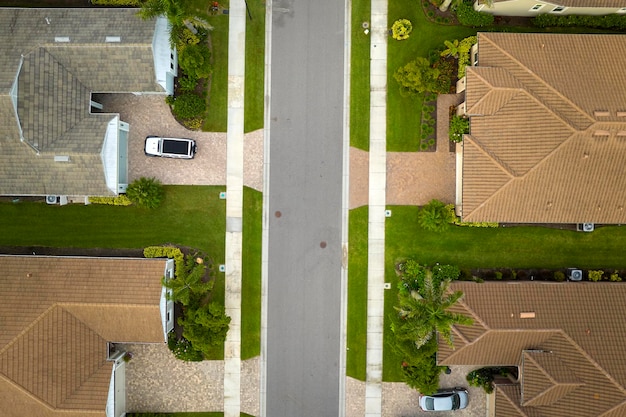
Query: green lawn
point(251, 274)
point(192, 216)
point(254, 102)
point(357, 294)
point(404, 113)
point(360, 76)
point(217, 99)
point(469, 247)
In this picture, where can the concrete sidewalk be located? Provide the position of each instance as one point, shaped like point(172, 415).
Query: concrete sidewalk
point(234, 205)
point(377, 195)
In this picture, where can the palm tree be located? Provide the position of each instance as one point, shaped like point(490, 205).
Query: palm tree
point(188, 287)
point(452, 48)
point(425, 312)
point(178, 12)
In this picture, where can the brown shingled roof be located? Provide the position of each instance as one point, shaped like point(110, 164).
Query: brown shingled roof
point(545, 143)
point(565, 338)
point(57, 313)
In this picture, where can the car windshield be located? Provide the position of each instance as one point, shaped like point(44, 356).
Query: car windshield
point(456, 402)
point(430, 403)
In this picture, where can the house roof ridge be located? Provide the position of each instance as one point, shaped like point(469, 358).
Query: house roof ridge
point(26, 329)
point(503, 167)
point(537, 78)
point(26, 392)
point(514, 403)
point(603, 371)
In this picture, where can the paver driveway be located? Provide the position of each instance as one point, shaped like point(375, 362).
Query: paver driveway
point(150, 115)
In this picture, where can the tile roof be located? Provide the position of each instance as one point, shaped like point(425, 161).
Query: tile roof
point(542, 135)
point(55, 82)
point(57, 315)
point(568, 347)
point(583, 3)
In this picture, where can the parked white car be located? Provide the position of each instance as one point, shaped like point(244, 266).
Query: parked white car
point(445, 400)
point(170, 147)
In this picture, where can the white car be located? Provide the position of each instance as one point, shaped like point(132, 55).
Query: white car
point(445, 400)
point(170, 147)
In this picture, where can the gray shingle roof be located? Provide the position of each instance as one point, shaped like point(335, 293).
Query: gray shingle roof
point(62, 55)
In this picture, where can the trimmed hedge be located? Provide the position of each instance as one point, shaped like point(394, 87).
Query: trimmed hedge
point(611, 21)
point(120, 200)
point(170, 252)
point(467, 16)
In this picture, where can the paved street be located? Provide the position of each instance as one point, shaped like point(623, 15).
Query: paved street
point(305, 197)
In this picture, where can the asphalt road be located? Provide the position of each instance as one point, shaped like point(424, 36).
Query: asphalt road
point(305, 189)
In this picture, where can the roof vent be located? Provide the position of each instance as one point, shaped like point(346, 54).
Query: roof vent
point(63, 39)
point(601, 134)
point(110, 39)
point(527, 315)
point(601, 113)
point(621, 114)
point(47, 19)
point(61, 158)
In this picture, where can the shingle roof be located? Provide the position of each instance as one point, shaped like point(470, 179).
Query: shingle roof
point(53, 95)
point(56, 316)
point(570, 353)
point(547, 143)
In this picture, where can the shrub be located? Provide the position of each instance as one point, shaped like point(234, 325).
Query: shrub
point(195, 60)
point(611, 21)
point(459, 126)
point(498, 275)
point(467, 16)
point(188, 106)
point(146, 192)
point(615, 277)
point(420, 366)
point(205, 327)
point(595, 275)
point(183, 349)
point(120, 200)
point(435, 216)
point(483, 377)
point(401, 29)
point(465, 46)
point(171, 252)
point(193, 124)
point(187, 83)
point(559, 276)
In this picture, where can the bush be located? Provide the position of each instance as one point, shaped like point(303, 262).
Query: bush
point(187, 83)
point(559, 276)
point(483, 377)
point(611, 21)
point(146, 192)
point(595, 276)
point(401, 29)
point(182, 349)
point(467, 16)
point(459, 126)
point(435, 216)
point(615, 277)
point(188, 106)
point(465, 46)
point(195, 60)
point(120, 200)
point(420, 366)
point(171, 252)
point(205, 327)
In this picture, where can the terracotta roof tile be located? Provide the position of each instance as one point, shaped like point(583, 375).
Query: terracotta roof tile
point(583, 374)
point(57, 315)
point(541, 131)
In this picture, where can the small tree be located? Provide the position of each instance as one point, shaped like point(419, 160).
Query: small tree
point(401, 29)
point(417, 77)
point(435, 216)
point(188, 287)
point(205, 327)
point(146, 192)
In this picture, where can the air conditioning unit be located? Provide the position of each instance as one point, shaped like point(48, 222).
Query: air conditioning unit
point(51, 199)
point(574, 274)
point(586, 227)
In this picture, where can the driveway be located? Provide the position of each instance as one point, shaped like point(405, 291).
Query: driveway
point(150, 115)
